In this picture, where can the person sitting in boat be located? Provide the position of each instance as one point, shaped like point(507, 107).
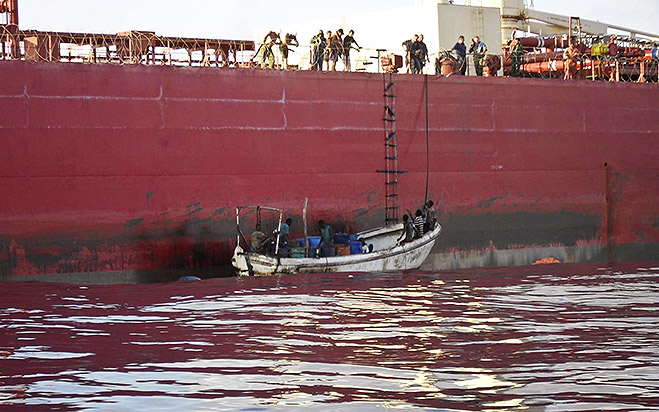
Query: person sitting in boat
point(259, 240)
point(366, 247)
point(430, 216)
point(408, 230)
point(418, 224)
point(326, 238)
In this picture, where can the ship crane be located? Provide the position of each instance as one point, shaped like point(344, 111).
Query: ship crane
point(517, 15)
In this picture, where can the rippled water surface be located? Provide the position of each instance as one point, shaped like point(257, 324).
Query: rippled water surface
point(552, 338)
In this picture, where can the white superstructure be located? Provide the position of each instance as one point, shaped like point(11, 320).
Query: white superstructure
point(441, 22)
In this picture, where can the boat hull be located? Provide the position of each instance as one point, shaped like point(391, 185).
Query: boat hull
point(402, 257)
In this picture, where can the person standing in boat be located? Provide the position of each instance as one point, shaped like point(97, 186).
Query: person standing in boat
point(430, 216)
point(326, 238)
point(408, 230)
point(285, 231)
point(418, 224)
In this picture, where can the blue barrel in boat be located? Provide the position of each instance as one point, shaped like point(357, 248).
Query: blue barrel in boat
point(341, 238)
point(313, 241)
point(355, 247)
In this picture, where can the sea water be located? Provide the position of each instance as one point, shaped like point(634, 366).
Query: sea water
point(542, 338)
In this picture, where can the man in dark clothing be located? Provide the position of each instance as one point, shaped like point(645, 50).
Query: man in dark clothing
point(408, 230)
point(318, 44)
point(430, 216)
point(460, 49)
point(285, 231)
point(407, 45)
point(334, 49)
point(419, 54)
point(348, 42)
point(326, 239)
point(516, 50)
point(268, 57)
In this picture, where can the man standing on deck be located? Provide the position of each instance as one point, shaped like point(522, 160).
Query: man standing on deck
point(318, 44)
point(419, 53)
point(328, 49)
point(407, 45)
point(348, 41)
point(270, 40)
point(334, 49)
point(283, 48)
point(461, 51)
point(478, 50)
point(570, 56)
point(516, 49)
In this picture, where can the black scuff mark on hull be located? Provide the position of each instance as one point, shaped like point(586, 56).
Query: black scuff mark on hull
point(133, 223)
point(197, 210)
point(490, 201)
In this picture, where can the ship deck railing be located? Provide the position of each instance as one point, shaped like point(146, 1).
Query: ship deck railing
point(148, 48)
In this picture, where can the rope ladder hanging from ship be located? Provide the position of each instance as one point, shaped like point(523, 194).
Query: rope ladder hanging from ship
point(390, 171)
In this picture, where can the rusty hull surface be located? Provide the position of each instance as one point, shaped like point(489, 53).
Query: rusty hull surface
point(129, 171)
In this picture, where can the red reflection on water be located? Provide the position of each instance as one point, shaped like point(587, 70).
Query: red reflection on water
point(489, 339)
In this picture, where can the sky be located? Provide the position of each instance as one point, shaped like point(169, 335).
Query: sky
point(245, 19)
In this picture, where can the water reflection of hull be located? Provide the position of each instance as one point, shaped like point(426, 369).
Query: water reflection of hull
point(397, 257)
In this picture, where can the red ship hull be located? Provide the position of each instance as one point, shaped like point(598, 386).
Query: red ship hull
point(132, 169)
